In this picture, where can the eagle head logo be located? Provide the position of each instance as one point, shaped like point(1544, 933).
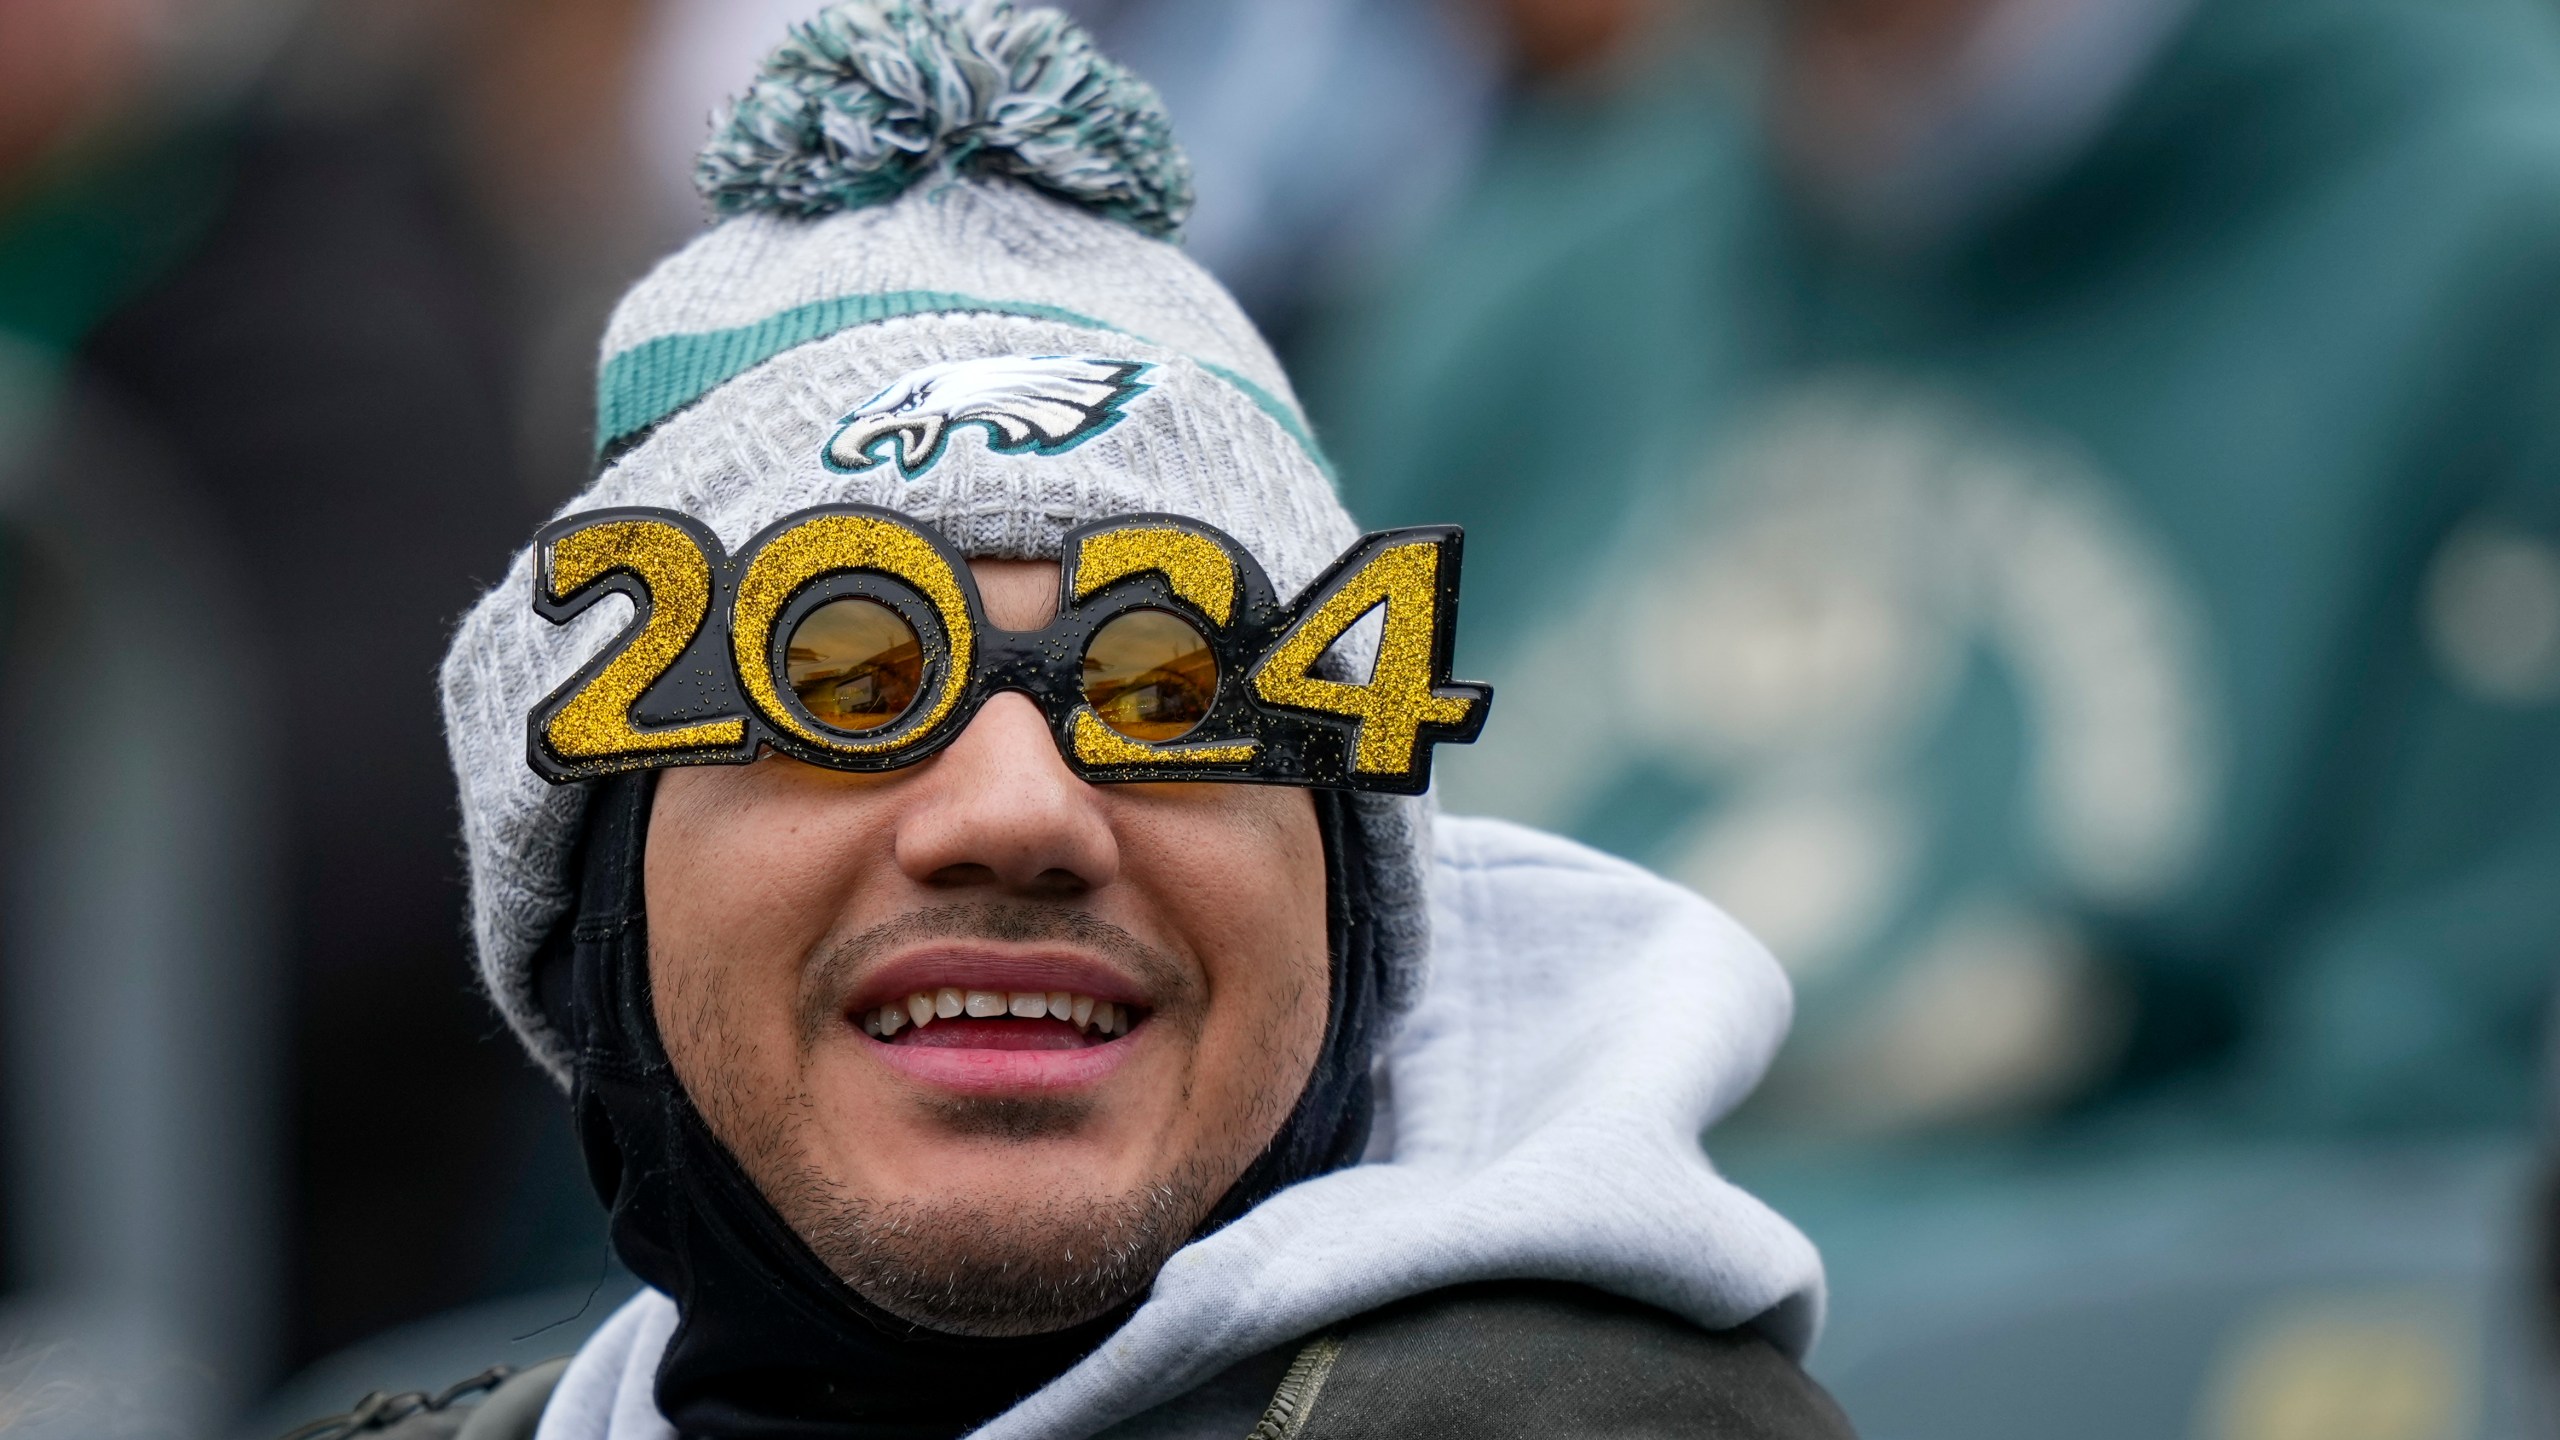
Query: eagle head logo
point(1035, 404)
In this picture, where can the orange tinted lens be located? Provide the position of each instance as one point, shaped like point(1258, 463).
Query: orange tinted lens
point(855, 664)
point(1150, 676)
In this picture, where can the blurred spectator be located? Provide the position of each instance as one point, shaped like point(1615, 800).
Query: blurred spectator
point(272, 279)
point(138, 988)
point(135, 983)
point(2050, 511)
point(444, 202)
point(2047, 509)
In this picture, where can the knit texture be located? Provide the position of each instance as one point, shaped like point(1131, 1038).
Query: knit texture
point(727, 369)
point(763, 283)
point(866, 99)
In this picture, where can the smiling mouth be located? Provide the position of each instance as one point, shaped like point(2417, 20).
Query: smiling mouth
point(949, 1017)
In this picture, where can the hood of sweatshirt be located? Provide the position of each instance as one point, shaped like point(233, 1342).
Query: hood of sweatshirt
point(1583, 1023)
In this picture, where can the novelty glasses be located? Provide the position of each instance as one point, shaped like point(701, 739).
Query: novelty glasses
point(853, 637)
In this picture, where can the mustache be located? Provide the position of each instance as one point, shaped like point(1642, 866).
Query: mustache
point(835, 971)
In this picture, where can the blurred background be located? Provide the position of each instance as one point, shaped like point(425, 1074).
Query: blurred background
point(2049, 510)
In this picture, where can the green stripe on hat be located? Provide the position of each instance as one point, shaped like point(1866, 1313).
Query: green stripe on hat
point(654, 379)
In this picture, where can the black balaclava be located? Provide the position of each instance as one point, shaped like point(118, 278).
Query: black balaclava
point(770, 1345)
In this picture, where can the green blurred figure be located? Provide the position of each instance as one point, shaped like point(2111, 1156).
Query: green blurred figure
point(2049, 510)
point(258, 430)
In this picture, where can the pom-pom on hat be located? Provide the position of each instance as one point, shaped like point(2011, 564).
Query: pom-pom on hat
point(864, 100)
point(935, 204)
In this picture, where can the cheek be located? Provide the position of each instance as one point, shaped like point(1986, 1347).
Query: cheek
point(1238, 872)
point(1231, 856)
point(746, 869)
point(741, 885)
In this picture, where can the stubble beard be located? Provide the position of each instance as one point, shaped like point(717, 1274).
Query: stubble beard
point(952, 1264)
point(971, 1269)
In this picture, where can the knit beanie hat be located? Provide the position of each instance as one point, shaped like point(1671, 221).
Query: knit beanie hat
point(943, 282)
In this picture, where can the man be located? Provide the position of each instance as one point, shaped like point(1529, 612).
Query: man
point(940, 1081)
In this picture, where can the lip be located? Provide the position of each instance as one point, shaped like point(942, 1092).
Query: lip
point(979, 965)
point(1008, 1072)
point(984, 966)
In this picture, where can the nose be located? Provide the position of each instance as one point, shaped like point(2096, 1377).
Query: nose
point(999, 807)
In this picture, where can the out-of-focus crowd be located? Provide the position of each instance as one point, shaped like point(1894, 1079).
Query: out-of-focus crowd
point(2048, 510)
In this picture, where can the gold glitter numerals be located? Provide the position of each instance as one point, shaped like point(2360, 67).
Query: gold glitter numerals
point(1194, 565)
point(1413, 575)
point(586, 725)
point(1200, 569)
point(854, 638)
point(799, 552)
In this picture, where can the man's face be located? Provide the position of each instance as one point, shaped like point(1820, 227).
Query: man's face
point(988, 1173)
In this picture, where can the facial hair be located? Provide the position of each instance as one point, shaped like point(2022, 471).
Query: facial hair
point(952, 1265)
point(969, 1269)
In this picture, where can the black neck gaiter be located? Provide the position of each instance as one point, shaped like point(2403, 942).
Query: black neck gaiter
point(769, 1344)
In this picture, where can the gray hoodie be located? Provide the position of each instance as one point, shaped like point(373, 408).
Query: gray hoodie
point(1583, 1023)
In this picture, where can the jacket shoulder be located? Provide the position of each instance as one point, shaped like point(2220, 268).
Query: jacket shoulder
point(1535, 1358)
point(509, 1407)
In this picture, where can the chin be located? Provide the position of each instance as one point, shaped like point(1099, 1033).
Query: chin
point(1011, 1237)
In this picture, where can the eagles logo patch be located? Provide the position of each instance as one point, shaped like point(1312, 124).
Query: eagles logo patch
point(1028, 404)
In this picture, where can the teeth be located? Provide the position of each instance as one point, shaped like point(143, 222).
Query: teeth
point(1100, 1017)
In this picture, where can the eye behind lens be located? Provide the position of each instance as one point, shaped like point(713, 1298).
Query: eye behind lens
point(855, 664)
point(1150, 675)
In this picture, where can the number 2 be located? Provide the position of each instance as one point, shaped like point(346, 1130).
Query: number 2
point(588, 721)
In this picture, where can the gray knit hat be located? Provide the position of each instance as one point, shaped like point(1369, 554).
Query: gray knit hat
point(945, 251)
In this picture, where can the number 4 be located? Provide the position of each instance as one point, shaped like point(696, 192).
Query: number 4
point(1414, 574)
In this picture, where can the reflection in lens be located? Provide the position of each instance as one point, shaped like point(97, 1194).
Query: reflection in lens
point(855, 664)
point(1150, 675)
